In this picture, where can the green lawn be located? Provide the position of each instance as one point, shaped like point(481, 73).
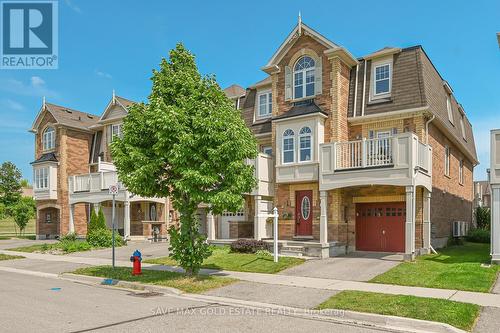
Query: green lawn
point(8, 228)
point(61, 247)
point(460, 315)
point(8, 257)
point(190, 284)
point(223, 259)
point(455, 267)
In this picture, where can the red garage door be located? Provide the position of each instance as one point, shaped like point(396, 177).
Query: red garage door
point(380, 227)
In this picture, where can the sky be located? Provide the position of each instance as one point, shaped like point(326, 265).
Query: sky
point(106, 45)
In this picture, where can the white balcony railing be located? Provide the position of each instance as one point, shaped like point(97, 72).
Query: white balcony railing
point(363, 153)
point(93, 182)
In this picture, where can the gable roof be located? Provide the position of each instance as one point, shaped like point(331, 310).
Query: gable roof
point(66, 117)
point(116, 100)
point(234, 91)
point(299, 29)
point(263, 82)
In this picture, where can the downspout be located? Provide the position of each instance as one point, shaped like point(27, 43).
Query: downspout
point(427, 129)
point(364, 89)
point(356, 92)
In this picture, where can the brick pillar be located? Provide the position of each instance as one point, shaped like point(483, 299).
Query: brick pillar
point(340, 95)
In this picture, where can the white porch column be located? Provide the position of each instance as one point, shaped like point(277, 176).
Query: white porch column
point(210, 225)
point(126, 217)
point(71, 218)
point(259, 220)
point(323, 224)
point(410, 223)
point(495, 223)
point(427, 221)
point(96, 207)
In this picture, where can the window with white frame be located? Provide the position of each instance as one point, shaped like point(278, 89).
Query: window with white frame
point(49, 138)
point(116, 130)
point(449, 108)
point(305, 151)
point(41, 180)
point(462, 125)
point(304, 77)
point(447, 160)
point(267, 150)
point(265, 102)
point(288, 146)
point(382, 80)
point(461, 172)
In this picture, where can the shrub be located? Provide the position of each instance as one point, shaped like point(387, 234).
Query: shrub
point(483, 217)
point(103, 238)
point(478, 235)
point(70, 237)
point(263, 254)
point(74, 246)
point(101, 220)
point(248, 245)
point(93, 222)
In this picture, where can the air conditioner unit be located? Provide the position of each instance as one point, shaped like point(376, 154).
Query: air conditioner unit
point(460, 228)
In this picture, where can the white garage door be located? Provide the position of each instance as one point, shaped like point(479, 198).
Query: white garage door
point(224, 222)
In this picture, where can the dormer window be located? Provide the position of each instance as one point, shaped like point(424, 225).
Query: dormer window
point(49, 139)
point(449, 108)
point(304, 77)
point(265, 104)
point(381, 79)
point(462, 125)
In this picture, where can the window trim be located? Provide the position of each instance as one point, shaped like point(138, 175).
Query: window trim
point(302, 135)
point(41, 181)
point(48, 145)
point(449, 109)
point(269, 104)
point(304, 75)
point(376, 64)
point(447, 160)
point(120, 130)
point(291, 136)
point(263, 149)
point(461, 171)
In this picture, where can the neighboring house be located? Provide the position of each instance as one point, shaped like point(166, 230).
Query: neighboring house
point(73, 170)
point(352, 149)
point(482, 194)
point(495, 195)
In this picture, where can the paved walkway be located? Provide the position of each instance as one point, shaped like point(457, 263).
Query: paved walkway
point(483, 299)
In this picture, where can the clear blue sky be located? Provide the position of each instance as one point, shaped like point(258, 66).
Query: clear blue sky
point(105, 45)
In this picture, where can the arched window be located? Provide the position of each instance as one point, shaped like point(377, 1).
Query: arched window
point(303, 77)
point(288, 146)
point(305, 144)
point(49, 138)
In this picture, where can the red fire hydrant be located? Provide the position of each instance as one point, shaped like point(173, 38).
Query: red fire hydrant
point(136, 258)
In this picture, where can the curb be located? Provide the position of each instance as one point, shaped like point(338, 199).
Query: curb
point(361, 319)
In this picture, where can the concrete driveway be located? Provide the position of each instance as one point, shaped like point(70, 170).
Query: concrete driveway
point(357, 266)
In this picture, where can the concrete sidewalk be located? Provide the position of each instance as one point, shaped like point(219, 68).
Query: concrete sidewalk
point(482, 299)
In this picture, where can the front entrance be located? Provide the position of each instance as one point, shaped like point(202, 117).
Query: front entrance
point(380, 227)
point(303, 213)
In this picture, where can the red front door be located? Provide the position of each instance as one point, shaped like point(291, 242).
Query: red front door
point(303, 213)
point(380, 227)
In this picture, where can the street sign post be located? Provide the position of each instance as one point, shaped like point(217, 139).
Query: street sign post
point(113, 190)
point(275, 233)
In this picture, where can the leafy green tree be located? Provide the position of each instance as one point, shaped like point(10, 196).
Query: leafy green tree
point(188, 142)
point(93, 222)
point(10, 185)
point(22, 212)
point(483, 217)
point(25, 183)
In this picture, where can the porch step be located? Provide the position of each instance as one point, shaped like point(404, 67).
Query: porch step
point(292, 250)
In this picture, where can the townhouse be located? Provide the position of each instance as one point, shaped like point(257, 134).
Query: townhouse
point(371, 153)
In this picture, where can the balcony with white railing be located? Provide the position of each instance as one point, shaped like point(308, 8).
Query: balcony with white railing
point(93, 187)
point(394, 160)
point(263, 172)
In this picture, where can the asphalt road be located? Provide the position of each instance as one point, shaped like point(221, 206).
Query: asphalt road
point(40, 304)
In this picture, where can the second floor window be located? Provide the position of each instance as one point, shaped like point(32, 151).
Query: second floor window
point(461, 172)
point(305, 144)
point(116, 130)
point(304, 78)
point(382, 82)
point(41, 180)
point(288, 146)
point(447, 160)
point(49, 138)
point(267, 150)
point(265, 104)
